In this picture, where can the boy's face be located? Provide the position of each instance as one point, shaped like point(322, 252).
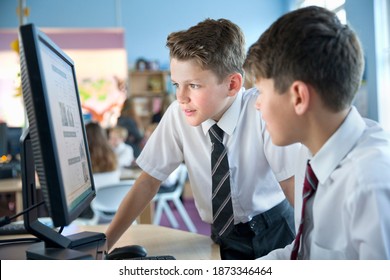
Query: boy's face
point(199, 92)
point(277, 111)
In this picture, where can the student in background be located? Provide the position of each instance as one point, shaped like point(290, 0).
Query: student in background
point(206, 69)
point(130, 121)
point(103, 160)
point(166, 101)
point(308, 67)
point(125, 154)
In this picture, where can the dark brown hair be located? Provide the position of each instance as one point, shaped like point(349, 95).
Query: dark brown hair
point(216, 45)
point(310, 45)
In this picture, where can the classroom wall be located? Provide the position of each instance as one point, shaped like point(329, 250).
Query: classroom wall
point(360, 15)
point(148, 22)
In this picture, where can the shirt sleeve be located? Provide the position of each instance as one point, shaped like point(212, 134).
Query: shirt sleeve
point(163, 151)
point(128, 156)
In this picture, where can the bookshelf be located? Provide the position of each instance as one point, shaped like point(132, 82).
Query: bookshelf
point(148, 89)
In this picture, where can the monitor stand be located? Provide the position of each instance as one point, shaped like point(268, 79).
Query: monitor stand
point(39, 251)
point(54, 245)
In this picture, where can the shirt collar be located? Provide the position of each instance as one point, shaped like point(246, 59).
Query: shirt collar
point(338, 145)
point(229, 119)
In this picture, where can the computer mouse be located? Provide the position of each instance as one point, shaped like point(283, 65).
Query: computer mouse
point(127, 252)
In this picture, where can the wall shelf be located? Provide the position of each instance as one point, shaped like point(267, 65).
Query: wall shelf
point(148, 89)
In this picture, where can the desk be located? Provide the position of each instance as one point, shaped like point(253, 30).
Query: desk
point(157, 240)
point(130, 173)
point(160, 240)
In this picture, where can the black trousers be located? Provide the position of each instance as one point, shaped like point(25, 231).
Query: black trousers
point(270, 230)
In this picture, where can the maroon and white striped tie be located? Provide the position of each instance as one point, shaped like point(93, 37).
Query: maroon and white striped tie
point(309, 188)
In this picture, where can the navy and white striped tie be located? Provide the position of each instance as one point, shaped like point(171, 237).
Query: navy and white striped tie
point(309, 188)
point(223, 220)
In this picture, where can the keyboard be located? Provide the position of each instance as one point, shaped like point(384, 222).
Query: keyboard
point(13, 228)
point(18, 227)
point(156, 258)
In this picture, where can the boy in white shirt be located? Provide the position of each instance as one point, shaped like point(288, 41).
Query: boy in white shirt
point(308, 67)
point(206, 69)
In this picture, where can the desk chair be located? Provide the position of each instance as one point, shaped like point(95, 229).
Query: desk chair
point(173, 194)
point(106, 202)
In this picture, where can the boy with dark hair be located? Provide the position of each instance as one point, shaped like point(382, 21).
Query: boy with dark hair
point(214, 128)
point(308, 67)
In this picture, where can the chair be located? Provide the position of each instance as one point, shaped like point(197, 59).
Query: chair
point(106, 202)
point(162, 199)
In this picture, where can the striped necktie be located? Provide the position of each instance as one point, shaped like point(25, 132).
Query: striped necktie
point(309, 188)
point(223, 220)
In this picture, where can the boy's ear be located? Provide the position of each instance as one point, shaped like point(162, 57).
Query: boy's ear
point(300, 97)
point(235, 83)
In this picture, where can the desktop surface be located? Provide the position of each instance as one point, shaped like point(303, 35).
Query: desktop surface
point(159, 240)
point(182, 245)
point(35, 250)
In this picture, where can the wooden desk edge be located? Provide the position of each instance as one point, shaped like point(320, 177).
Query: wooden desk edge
point(157, 240)
point(160, 240)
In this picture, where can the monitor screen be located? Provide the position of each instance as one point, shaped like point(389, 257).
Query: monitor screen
point(56, 128)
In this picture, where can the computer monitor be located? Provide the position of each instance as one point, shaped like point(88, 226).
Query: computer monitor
point(55, 142)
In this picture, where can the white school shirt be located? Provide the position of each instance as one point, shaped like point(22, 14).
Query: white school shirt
point(256, 165)
point(106, 178)
point(125, 154)
point(351, 206)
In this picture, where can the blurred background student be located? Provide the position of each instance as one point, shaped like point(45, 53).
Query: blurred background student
point(104, 161)
point(124, 152)
point(130, 121)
